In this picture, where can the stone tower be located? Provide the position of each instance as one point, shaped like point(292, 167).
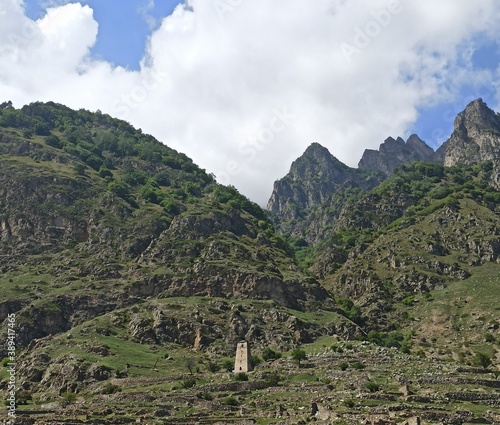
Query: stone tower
point(242, 360)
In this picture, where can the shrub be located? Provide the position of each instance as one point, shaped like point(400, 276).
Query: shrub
point(79, 169)
point(206, 396)
point(349, 404)
point(120, 189)
point(489, 338)
point(134, 177)
point(231, 401)
point(336, 348)
point(227, 365)
point(53, 141)
point(23, 396)
point(152, 193)
point(110, 389)
point(269, 354)
point(255, 361)
point(273, 379)
point(94, 162)
point(482, 359)
point(241, 377)
point(343, 366)
point(69, 397)
point(351, 311)
point(358, 365)
point(212, 367)
point(171, 207)
point(105, 172)
point(188, 383)
point(372, 387)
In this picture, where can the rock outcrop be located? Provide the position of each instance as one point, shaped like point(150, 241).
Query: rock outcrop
point(395, 152)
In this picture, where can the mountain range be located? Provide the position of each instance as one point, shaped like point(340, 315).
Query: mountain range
point(112, 243)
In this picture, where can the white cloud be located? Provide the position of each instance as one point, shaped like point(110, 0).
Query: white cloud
point(216, 75)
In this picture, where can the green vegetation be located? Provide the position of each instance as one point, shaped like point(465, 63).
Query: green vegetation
point(269, 354)
point(343, 366)
point(298, 356)
point(255, 361)
point(241, 377)
point(231, 401)
point(188, 383)
point(372, 387)
point(69, 397)
point(352, 312)
point(228, 365)
point(136, 272)
point(396, 339)
point(482, 359)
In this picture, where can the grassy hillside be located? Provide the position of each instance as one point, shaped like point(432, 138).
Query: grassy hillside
point(96, 216)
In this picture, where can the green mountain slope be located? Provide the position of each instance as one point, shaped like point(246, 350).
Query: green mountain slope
point(419, 230)
point(132, 275)
point(95, 215)
point(425, 228)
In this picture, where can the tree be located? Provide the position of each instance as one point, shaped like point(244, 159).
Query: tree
point(105, 172)
point(6, 105)
point(191, 365)
point(120, 189)
point(298, 356)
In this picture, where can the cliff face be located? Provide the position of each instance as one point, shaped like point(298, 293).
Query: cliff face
point(394, 153)
point(475, 138)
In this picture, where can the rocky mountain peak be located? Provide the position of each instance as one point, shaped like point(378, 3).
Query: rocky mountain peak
point(396, 152)
point(417, 144)
point(475, 118)
point(317, 160)
point(312, 179)
point(475, 138)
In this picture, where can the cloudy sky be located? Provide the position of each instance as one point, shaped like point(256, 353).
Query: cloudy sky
point(244, 86)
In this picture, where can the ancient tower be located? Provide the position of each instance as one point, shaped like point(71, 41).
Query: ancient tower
point(242, 360)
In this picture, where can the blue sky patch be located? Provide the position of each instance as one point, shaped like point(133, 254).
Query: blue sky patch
point(124, 26)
